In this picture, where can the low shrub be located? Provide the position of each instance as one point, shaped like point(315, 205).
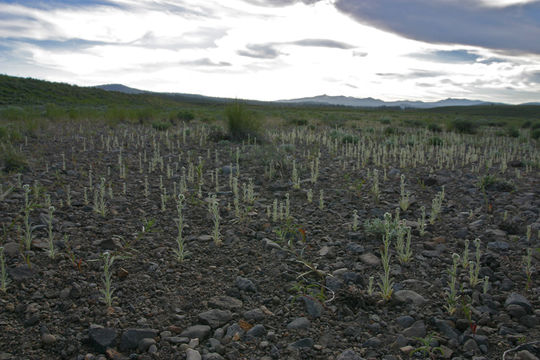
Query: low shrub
point(240, 122)
point(161, 125)
point(463, 126)
point(434, 127)
point(535, 134)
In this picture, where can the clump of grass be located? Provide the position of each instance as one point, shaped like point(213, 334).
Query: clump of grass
point(12, 159)
point(161, 125)
point(463, 126)
point(241, 122)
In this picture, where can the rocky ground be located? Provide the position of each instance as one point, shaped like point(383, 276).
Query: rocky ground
point(296, 289)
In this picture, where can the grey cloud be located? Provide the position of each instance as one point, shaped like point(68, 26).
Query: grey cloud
point(448, 56)
point(415, 74)
point(360, 53)
point(269, 51)
point(202, 38)
point(261, 51)
point(511, 28)
point(206, 62)
point(277, 3)
point(533, 77)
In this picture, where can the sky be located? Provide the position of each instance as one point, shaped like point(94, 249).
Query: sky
point(281, 49)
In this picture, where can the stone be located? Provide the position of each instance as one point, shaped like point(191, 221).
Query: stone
point(48, 339)
point(349, 355)
point(196, 331)
point(235, 331)
point(373, 342)
point(301, 323)
point(193, 355)
point(145, 344)
point(245, 284)
point(416, 330)
point(498, 245)
point(516, 310)
point(255, 314)
point(445, 329)
point(313, 307)
point(409, 296)
point(212, 356)
point(355, 248)
point(131, 337)
point(11, 249)
point(470, 346)
point(405, 321)
point(525, 355)
point(256, 331)
point(227, 169)
point(215, 318)
point(370, 259)
point(102, 338)
point(176, 339)
point(302, 343)
point(225, 302)
point(517, 299)
point(20, 273)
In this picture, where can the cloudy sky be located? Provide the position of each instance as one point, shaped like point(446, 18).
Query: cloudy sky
point(279, 49)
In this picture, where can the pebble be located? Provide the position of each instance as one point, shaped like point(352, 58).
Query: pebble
point(255, 314)
point(416, 330)
point(518, 299)
point(101, 338)
point(225, 302)
point(302, 343)
point(193, 355)
point(301, 323)
point(313, 307)
point(48, 339)
point(256, 331)
point(409, 296)
point(245, 284)
point(370, 259)
point(215, 317)
point(196, 331)
point(349, 355)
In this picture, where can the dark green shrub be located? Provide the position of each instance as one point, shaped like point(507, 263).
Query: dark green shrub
point(463, 126)
point(535, 134)
point(240, 122)
point(535, 126)
point(434, 127)
point(512, 132)
point(526, 124)
point(385, 121)
point(413, 123)
point(389, 131)
point(185, 115)
point(12, 160)
point(161, 125)
point(298, 122)
point(435, 141)
point(349, 139)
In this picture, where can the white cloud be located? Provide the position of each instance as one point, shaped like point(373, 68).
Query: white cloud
point(246, 50)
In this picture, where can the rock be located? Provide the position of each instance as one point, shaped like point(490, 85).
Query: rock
point(370, 259)
point(113, 355)
point(373, 342)
point(227, 169)
point(193, 355)
point(20, 273)
point(131, 337)
point(196, 331)
point(301, 323)
point(517, 299)
point(516, 311)
point(215, 318)
point(333, 283)
point(269, 244)
point(48, 339)
point(313, 307)
point(245, 284)
point(416, 330)
point(235, 331)
point(355, 248)
point(409, 296)
point(107, 244)
point(349, 355)
point(102, 338)
point(405, 321)
point(11, 249)
point(225, 302)
point(525, 355)
point(470, 346)
point(255, 314)
point(445, 329)
point(145, 344)
point(212, 356)
point(302, 343)
point(498, 245)
point(176, 339)
point(256, 331)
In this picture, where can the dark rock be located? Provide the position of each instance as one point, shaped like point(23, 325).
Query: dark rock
point(302, 343)
point(355, 248)
point(20, 273)
point(301, 323)
point(498, 245)
point(225, 302)
point(349, 355)
point(131, 337)
point(196, 331)
point(416, 330)
point(255, 314)
point(373, 342)
point(102, 338)
point(517, 299)
point(313, 307)
point(409, 296)
point(405, 321)
point(215, 318)
point(256, 331)
point(245, 284)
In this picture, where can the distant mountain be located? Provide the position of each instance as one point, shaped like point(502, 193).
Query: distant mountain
point(121, 88)
point(371, 102)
